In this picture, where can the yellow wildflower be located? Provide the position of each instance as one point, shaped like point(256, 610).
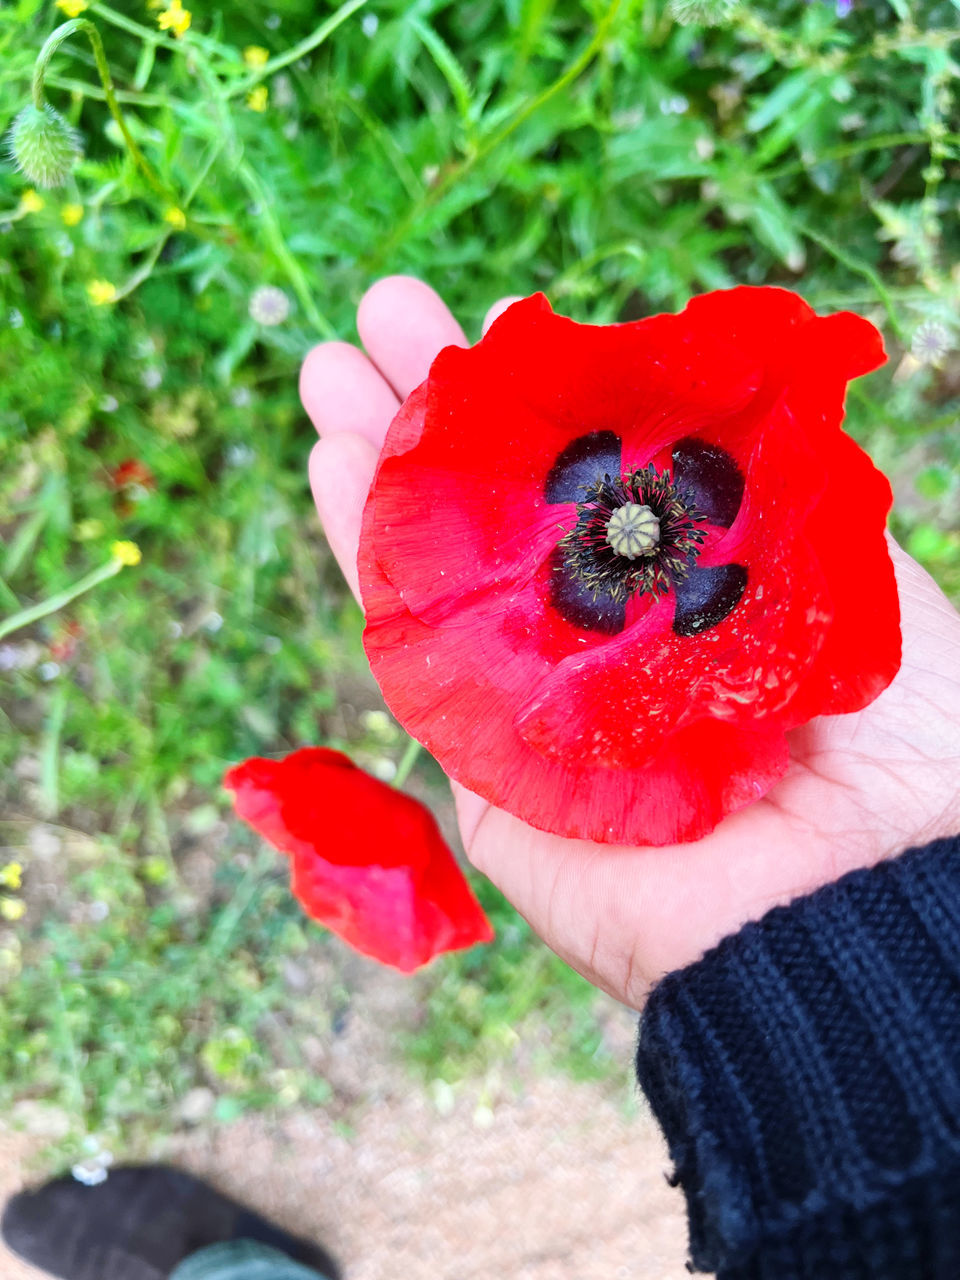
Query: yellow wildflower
point(11, 876)
point(258, 98)
point(30, 202)
point(12, 908)
point(127, 553)
point(174, 18)
point(101, 292)
point(72, 8)
point(176, 217)
point(71, 214)
point(254, 55)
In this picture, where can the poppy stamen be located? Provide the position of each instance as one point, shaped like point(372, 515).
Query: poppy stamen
point(636, 533)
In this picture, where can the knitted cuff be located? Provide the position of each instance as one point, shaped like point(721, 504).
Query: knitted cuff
point(806, 1073)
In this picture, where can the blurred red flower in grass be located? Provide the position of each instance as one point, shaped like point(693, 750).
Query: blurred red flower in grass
point(131, 472)
point(65, 643)
point(368, 861)
point(605, 569)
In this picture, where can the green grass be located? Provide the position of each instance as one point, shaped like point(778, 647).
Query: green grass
point(599, 152)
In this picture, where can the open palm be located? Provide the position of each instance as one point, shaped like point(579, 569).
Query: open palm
point(860, 787)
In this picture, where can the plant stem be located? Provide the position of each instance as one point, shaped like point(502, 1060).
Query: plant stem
point(94, 91)
point(297, 51)
point(192, 40)
point(463, 168)
point(55, 602)
point(407, 761)
point(855, 265)
point(52, 44)
point(274, 236)
point(142, 272)
point(262, 198)
point(879, 142)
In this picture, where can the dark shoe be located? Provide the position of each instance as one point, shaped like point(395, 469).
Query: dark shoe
point(138, 1224)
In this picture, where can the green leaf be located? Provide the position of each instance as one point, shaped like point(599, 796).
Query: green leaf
point(448, 66)
point(786, 95)
point(933, 482)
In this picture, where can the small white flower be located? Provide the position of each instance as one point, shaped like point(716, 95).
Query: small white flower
point(93, 1171)
point(90, 1172)
point(369, 25)
point(175, 630)
point(9, 657)
point(379, 723)
point(240, 397)
point(109, 404)
point(49, 670)
point(796, 259)
point(281, 87)
point(269, 305)
point(23, 656)
point(272, 21)
point(904, 251)
point(15, 318)
point(384, 769)
point(240, 455)
point(931, 342)
point(213, 621)
point(151, 377)
point(628, 119)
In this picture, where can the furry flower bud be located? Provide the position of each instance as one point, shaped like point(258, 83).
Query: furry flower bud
point(44, 146)
point(703, 13)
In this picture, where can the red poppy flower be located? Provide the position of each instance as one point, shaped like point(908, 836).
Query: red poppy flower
point(606, 568)
point(65, 643)
point(368, 861)
point(131, 472)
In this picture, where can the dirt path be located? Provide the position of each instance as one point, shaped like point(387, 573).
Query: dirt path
point(518, 1174)
point(558, 1181)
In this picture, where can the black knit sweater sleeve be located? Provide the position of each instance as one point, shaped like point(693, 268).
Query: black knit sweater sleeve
point(806, 1073)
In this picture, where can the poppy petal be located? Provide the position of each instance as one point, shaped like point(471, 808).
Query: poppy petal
point(594, 706)
point(367, 861)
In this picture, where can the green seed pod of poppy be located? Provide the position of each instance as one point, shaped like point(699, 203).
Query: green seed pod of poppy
point(44, 146)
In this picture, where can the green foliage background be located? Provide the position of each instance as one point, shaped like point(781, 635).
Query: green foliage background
point(601, 152)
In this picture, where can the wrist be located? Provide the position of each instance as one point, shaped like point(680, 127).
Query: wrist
point(807, 1074)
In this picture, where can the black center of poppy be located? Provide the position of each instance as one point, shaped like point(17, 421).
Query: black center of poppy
point(635, 533)
point(642, 533)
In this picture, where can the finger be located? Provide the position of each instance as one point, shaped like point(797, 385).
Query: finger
point(403, 324)
point(498, 308)
point(341, 470)
point(470, 809)
point(342, 391)
point(583, 900)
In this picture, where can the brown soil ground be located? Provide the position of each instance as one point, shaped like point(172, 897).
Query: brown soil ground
point(518, 1174)
point(546, 1179)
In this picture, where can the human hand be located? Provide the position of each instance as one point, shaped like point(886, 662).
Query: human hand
point(860, 788)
